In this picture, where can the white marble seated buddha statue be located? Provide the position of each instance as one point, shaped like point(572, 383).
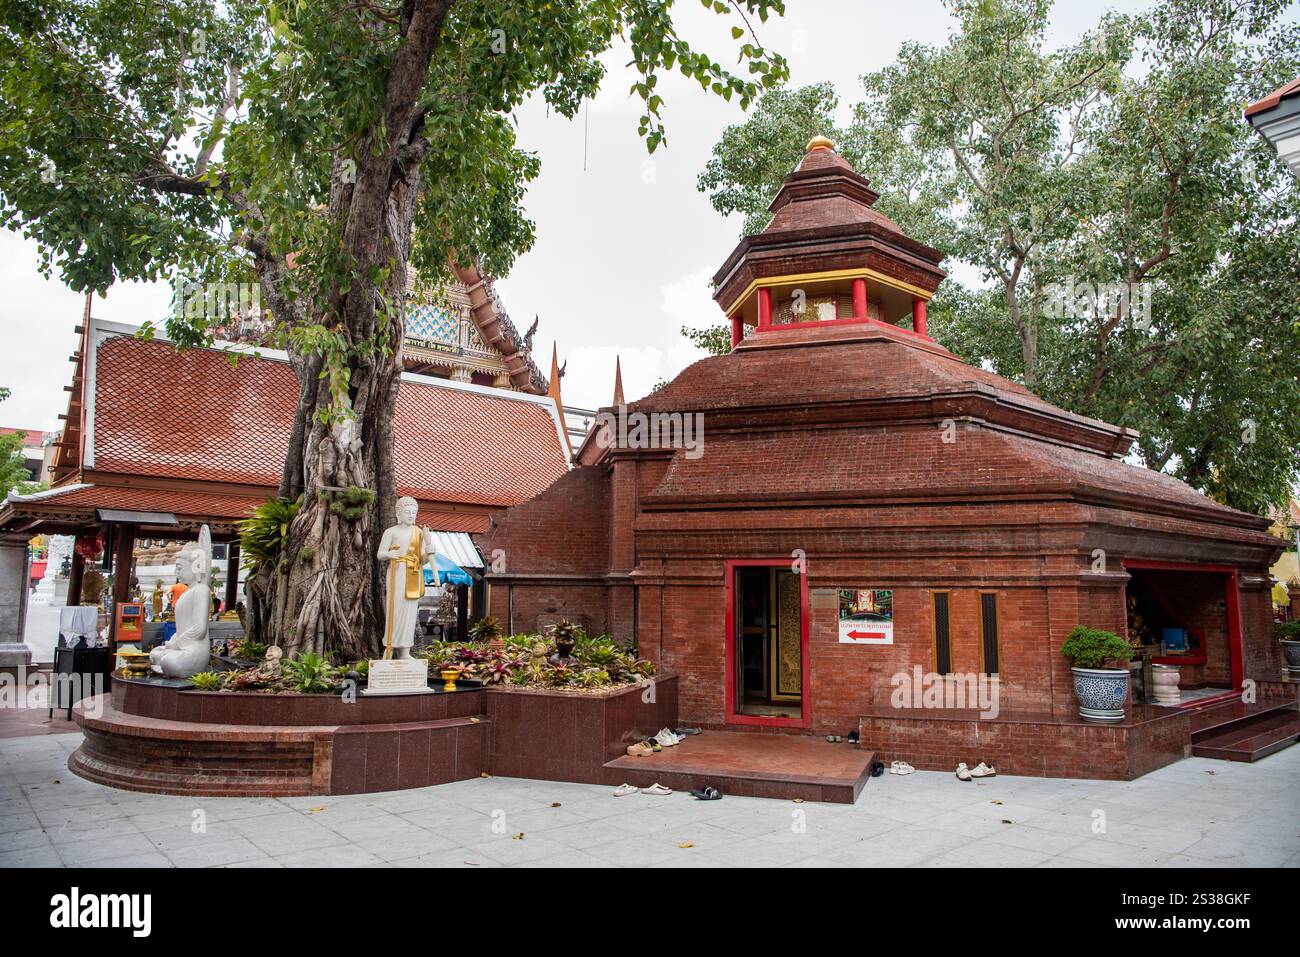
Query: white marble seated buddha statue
point(188, 651)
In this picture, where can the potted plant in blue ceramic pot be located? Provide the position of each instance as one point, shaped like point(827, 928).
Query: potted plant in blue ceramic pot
point(1099, 660)
point(1289, 635)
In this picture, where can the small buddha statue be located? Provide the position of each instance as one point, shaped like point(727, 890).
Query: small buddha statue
point(188, 651)
point(407, 548)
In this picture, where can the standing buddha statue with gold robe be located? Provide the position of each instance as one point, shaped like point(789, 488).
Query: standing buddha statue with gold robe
point(407, 548)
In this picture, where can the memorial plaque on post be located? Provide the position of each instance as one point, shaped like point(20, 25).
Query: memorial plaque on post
point(398, 676)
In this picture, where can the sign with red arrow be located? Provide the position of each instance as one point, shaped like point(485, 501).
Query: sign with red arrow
point(866, 616)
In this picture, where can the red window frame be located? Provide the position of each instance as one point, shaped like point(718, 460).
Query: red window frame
point(731, 715)
point(1233, 609)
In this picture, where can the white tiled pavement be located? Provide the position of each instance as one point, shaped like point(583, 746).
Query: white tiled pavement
point(1195, 813)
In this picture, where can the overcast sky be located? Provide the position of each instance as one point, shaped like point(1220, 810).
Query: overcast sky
point(625, 246)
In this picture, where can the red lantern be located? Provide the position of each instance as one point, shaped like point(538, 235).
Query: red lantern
point(90, 547)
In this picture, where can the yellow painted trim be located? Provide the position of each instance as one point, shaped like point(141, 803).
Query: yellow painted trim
point(824, 276)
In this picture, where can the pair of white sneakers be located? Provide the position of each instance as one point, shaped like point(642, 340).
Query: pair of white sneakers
point(657, 789)
point(667, 738)
point(980, 770)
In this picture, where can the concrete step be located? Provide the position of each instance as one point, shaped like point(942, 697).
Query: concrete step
point(1236, 736)
point(752, 764)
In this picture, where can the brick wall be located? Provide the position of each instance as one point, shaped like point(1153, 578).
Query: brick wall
point(804, 456)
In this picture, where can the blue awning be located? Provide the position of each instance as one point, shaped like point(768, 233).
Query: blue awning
point(449, 573)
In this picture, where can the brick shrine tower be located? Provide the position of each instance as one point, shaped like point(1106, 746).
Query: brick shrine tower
point(852, 466)
point(827, 256)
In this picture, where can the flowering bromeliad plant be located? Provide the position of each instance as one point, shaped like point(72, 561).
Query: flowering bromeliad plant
point(595, 663)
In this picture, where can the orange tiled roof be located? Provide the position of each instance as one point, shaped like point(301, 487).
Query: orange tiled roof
point(452, 444)
point(198, 505)
point(1274, 98)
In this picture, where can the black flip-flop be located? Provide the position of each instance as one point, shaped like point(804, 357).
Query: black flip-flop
point(877, 768)
point(707, 794)
point(686, 731)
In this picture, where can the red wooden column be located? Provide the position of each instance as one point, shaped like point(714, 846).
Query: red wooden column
point(918, 316)
point(764, 308)
point(75, 575)
point(737, 329)
point(860, 299)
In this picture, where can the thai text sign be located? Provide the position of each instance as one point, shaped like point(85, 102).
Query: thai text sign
point(866, 616)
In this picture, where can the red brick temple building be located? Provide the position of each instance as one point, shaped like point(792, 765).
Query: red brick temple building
point(866, 509)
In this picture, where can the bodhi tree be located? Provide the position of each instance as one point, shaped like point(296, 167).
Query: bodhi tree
point(322, 150)
point(1120, 160)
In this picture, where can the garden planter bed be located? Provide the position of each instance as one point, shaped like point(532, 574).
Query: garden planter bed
point(568, 735)
point(153, 699)
point(155, 736)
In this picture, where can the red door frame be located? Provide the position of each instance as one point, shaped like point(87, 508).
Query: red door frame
point(1232, 608)
point(805, 705)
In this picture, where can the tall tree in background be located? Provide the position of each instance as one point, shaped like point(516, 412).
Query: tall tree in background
point(1120, 159)
point(319, 149)
point(13, 466)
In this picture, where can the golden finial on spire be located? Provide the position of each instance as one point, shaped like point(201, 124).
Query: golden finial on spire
point(820, 143)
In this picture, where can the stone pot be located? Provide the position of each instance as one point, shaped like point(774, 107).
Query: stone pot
point(1165, 678)
point(1291, 648)
point(1101, 693)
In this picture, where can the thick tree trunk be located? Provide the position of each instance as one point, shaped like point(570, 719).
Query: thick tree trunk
point(325, 595)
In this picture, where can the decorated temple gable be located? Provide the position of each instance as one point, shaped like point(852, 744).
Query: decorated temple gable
point(461, 331)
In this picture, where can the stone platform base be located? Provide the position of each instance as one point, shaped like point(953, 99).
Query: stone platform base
point(1041, 745)
point(152, 735)
point(753, 765)
point(147, 736)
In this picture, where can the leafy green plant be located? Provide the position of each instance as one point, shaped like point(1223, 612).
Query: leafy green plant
point(522, 642)
point(597, 663)
point(246, 649)
point(208, 681)
point(348, 503)
point(592, 678)
point(558, 676)
point(1290, 631)
point(486, 629)
point(601, 652)
point(1093, 647)
point(310, 673)
point(250, 679)
point(262, 535)
point(566, 630)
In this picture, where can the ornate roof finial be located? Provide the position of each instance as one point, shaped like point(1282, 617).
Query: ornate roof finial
point(553, 390)
point(618, 382)
point(820, 143)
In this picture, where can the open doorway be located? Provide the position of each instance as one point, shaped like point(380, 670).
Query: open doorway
point(766, 644)
point(1186, 616)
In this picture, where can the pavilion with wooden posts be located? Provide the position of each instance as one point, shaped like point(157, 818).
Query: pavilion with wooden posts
point(159, 442)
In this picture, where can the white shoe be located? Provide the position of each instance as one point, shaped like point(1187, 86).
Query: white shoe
point(982, 770)
point(623, 790)
point(963, 772)
point(656, 788)
point(667, 739)
point(900, 767)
